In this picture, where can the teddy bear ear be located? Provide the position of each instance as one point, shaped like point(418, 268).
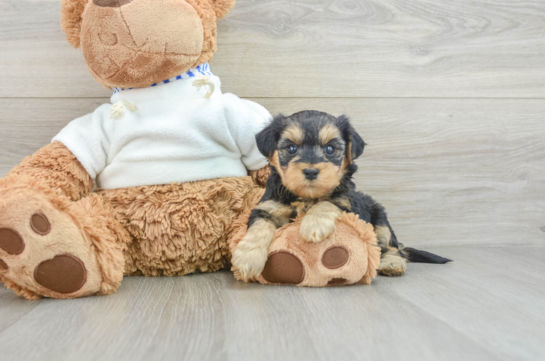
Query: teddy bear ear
point(71, 11)
point(222, 7)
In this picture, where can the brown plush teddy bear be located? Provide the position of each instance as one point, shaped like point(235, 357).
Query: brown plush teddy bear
point(148, 185)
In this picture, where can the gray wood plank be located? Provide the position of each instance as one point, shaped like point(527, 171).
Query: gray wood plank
point(471, 309)
point(12, 309)
point(448, 171)
point(324, 48)
point(494, 294)
point(27, 125)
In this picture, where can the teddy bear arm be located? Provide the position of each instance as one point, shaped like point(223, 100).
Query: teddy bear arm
point(260, 176)
point(54, 167)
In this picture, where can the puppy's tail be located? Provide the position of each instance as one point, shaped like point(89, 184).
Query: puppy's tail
point(418, 256)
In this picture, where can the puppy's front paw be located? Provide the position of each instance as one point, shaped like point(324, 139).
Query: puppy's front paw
point(315, 228)
point(249, 258)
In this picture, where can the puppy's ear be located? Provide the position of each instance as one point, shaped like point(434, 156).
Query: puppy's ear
point(222, 7)
point(266, 139)
point(356, 145)
point(71, 19)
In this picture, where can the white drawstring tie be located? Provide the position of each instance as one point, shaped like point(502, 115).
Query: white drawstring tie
point(118, 110)
point(204, 81)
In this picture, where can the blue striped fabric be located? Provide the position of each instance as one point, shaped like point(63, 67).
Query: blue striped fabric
point(203, 69)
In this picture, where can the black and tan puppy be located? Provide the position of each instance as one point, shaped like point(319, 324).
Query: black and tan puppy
point(312, 160)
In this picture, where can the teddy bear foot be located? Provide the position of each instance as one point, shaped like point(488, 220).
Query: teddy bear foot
point(44, 250)
point(348, 256)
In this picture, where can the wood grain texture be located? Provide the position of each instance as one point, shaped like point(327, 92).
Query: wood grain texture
point(475, 308)
point(318, 48)
point(449, 171)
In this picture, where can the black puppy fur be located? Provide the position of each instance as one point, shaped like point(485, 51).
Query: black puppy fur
point(311, 155)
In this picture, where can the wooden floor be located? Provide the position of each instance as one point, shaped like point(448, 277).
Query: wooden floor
point(450, 97)
point(487, 305)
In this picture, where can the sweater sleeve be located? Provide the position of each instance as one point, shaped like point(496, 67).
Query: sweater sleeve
point(249, 118)
point(88, 138)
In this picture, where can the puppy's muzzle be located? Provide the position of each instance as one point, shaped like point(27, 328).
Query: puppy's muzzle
point(311, 173)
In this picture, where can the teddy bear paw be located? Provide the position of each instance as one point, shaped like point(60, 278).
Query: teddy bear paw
point(316, 229)
point(42, 250)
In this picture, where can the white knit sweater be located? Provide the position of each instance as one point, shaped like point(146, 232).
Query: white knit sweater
point(173, 134)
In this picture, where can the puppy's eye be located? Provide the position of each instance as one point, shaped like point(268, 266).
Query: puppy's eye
point(329, 149)
point(292, 149)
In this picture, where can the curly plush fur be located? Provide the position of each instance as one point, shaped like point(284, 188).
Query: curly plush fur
point(222, 7)
point(55, 168)
point(71, 11)
point(181, 228)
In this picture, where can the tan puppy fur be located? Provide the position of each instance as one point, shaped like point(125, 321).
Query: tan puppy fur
point(296, 182)
point(328, 133)
point(383, 236)
point(251, 254)
point(294, 133)
point(391, 264)
point(319, 222)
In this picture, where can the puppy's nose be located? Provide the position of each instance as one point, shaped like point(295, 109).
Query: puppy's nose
point(111, 3)
point(311, 173)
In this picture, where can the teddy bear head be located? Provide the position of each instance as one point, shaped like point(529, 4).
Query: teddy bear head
point(136, 43)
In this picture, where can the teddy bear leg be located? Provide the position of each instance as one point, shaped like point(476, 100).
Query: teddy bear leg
point(53, 247)
point(349, 255)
